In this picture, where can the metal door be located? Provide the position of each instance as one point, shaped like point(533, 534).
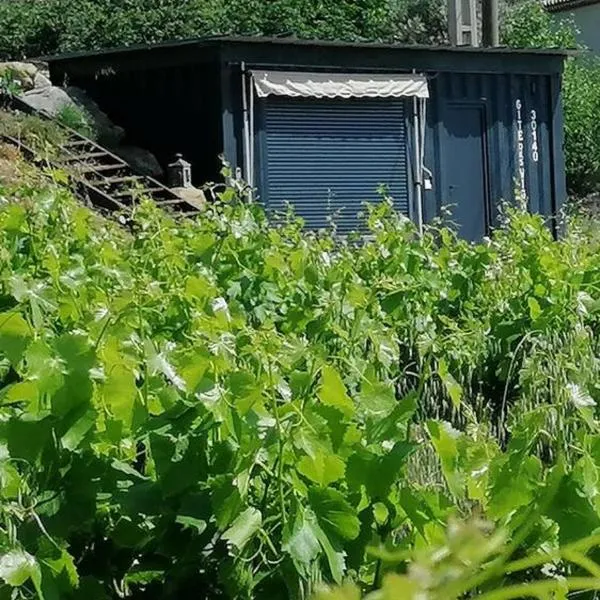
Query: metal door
point(465, 168)
point(327, 157)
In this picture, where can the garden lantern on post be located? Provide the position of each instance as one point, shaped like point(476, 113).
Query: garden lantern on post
point(180, 173)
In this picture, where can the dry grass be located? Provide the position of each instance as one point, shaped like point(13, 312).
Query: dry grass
point(43, 136)
point(11, 163)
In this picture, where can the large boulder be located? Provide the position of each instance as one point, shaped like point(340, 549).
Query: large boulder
point(40, 94)
point(51, 100)
point(21, 72)
point(107, 133)
point(41, 80)
point(143, 161)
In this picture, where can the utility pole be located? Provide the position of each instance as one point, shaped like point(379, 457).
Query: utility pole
point(490, 29)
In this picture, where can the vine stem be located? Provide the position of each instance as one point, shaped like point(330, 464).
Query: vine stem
point(539, 589)
point(281, 445)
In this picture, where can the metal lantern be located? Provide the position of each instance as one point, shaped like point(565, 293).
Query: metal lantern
point(180, 173)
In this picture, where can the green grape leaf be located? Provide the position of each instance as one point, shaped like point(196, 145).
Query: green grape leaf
point(347, 591)
point(335, 515)
point(80, 421)
point(333, 392)
point(120, 392)
point(191, 522)
point(323, 468)
point(18, 566)
point(244, 528)
point(452, 386)
point(336, 558)
point(377, 399)
point(444, 439)
point(15, 335)
point(302, 545)
point(226, 503)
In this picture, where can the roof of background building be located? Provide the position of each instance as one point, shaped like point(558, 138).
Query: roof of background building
point(566, 5)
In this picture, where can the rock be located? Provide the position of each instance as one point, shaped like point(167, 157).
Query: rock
point(107, 132)
point(192, 195)
point(143, 161)
point(42, 95)
point(40, 81)
point(23, 73)
point(50, 100)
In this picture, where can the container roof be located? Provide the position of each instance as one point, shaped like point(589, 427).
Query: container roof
point(219, 41)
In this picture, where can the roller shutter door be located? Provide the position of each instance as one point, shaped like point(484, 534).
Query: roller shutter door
point(328, 157)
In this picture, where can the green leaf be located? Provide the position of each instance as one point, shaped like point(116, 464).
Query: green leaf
point(15, 335)
point(380, 512)
point(573, 511)
point(244, 528)
point(137, 576)
point(534, 308)
point(335, 557)
point(452, 386)
point(418, 511)
point(27, 438)
point(333, 392)
point(180, 463)
point(57, 562)
point(10, 480)
point(322, 468)
point(302, 545)
point(191, 522)
point(24, 391)
point(226, 503)
point(444, 439)
point(17, 566)
point(120, 392)
point(43, 368)
point(393, 425)
point(377, 473)
point(399, 587)
point(78, 357)
point(348, 591)
point(335, 515)
point(377, 399)
point(513, 485)
point(81, 421)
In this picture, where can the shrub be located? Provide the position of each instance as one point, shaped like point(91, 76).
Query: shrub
point(77, 118)
point(30, 28)
point(222, 408)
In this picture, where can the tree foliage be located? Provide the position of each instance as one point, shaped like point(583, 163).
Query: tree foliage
point(528, 25)
point(30, 28)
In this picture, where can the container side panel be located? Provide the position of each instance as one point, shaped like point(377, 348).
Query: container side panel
point(522, 138)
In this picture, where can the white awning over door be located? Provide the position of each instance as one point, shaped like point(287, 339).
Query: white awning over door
point(299, 84)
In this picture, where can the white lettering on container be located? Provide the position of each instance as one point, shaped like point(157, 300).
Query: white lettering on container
point(520, 146)
point(535, 155)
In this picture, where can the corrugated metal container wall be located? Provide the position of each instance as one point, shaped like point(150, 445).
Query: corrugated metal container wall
point(521, 115)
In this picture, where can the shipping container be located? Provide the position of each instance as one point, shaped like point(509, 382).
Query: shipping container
point(327, 126)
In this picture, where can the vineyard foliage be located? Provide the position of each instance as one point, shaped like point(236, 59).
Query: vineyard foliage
point(224, 408)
